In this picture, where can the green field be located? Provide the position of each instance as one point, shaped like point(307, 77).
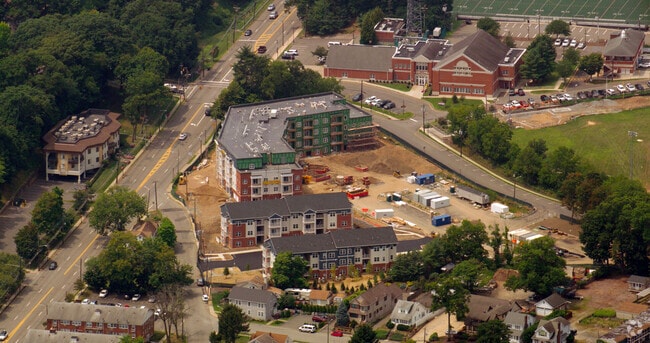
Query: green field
point(629, 11)
point(602, 141)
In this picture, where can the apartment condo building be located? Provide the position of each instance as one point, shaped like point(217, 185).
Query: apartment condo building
point(259, 145)
point(246, 224)
point(81, 143)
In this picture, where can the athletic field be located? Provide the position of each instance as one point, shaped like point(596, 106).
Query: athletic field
point(627, 11)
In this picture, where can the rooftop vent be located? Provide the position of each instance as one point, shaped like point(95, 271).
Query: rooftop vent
point(506, 60)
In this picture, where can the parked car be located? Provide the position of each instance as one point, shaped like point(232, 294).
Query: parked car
point(135, 297)
point(248, 33)
point(602, 92)
point(382, 103)
point(376, 102)
point(573, 43)
point(273, 15)
point(103, 293)
point(639, 86)
point(205, 298)
point(307, 328)
point(85, 302)
point(595, 93)
point(630, 87)
point(53, 265)
point(621, 88)
point(511, 92)
point(611, 91)
point(553, 98)
point(566, 42)
point(271, 7)
point(369, 100)
point(319, 318)
point(581, 95)
point(560, 97)
point(357, 97)
point(182, 136)
point(543, 98)
point(293, 52)
point(152, 299)
point(337, 333)
point(531, 101)
point(582, 45)
point(589, 94)
point(515, 104)
point(389, 105)
point(287, 56)
point(568, 97)
point(558, 42)
point(3, 335)
point(261, 49)
point(200, 282)
point(507, 106)
point(644, 64)
point(520, 92)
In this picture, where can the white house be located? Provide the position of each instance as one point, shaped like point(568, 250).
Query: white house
point(547, 305)
point(556, 330)
point(410, 313)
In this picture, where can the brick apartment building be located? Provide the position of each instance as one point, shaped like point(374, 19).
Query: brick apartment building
point(247, 224)
point(336, 250)
point(81, 143)
point(479, 65)
point(259, 145)
point(100, 319)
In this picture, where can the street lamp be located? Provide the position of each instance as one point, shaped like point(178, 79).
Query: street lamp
point(632, 135)
point(514, 187)
point(539, 17)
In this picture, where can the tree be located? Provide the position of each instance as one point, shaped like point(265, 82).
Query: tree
point(226, 271)
point(529, 161)
point(115, 208)
point(539, 267)
point(167, 232)
point(489, 25)
point(26, 240)
point(466, 241)
point(493, 331)
point(471, 273)
point(342, 317)
point(591, 64)
point(363, 334)
point(448, 292)
point(539, 60)
point(565, 69)
point(128, 339)
point(557, 166)
point(231, 322)
point(289, 271)
point(320, 51)
point(558, 27)
point(368, 22)
point(509, 41)
point(406, 267)
point(495, 241)
point(325, 18)
point(285, 301)
point(48, 215)
point(572, 55)
point(491, 138)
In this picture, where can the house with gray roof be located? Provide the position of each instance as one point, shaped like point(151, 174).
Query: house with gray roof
point(339, 250)
point(623, 52)
point(374, 304)
point(258, 304)
point(637, 283)
point(482, 309)
point(517, 322)
point(259, 145)
point(245, 224)
point(411, 313)
point(556, 330)
point(549, 304)
point(479, 65)
point(100, 319)
point(45, 336)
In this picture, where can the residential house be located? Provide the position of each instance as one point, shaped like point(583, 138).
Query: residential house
point(259, 145)
point(336, 251)
point(411, 313)
point(636, 283)
point(339, 297)
point(256, 303)
point(100, 319)
point(556, 330)
point(46, 336)
point(146, 229)
point(479, 65)
point(517, 322)
point(269, 337)
point(247, 224)
point(374, 304)
point(549, 304)
point(636, 330)
point(482, 309)
point(623, 52)
point(320, 297)
point(256, 282)
point(81, 143)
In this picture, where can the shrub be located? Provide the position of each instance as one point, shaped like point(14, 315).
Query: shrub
point(402, 327)
point(604, 313)
point(434, 337)
point(454, 99)
point(396, 336)
point(390, 325)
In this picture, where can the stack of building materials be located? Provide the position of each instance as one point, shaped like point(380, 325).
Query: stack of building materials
point(499, 208)
point(411, 179)
point(523, 235)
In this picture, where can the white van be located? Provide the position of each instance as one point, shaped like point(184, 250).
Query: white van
point(333, 43)
point(307, 328)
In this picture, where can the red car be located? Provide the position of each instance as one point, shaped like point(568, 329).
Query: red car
point(319, 319)
point(337, 333)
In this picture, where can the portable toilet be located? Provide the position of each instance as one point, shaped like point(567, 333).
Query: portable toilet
point(441, 220)
point(452, 189)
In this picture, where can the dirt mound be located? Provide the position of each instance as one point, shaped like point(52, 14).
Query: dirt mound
point(502, 274)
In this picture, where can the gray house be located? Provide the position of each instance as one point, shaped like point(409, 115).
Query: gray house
point(517, 322)
point(636, 283)
point(549, 304)
point(556, 330)
point(256, 303)
point(410, 313)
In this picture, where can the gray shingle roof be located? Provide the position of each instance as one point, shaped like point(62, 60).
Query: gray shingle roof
point(403, 310)
point(332, 240)
point(485, 308)
point(98, 313)
point(370, 296)
point(253, 295)
point(481, 48)
point(638, 279)
point(518, 318)
point(285, 206)
point(360, 57)
point(555, 300)
point(625, 45)
point(45, 336)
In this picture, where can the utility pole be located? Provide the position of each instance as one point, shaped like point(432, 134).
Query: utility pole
point(632, 135)
point(155, 194)
point(423, 126)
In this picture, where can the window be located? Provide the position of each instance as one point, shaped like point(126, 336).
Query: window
point(478, 90)
point(249, 233)
point(344, 74)
point(344, 222)
point(251, 166)
point(372, 76)
point(295, 226)
point(244, 182)
point(421, 66)
point(237, 234)
point(332, 255)
point(462, 69)
point(326, 140)
point(76, 323)
point(504, 72)
point(376, 259)
point(326, 120)
point(314, 266)
point(445, 89)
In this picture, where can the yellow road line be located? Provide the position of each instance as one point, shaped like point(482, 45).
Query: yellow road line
point(22, 322)
point(264, 37)
point(80, 255)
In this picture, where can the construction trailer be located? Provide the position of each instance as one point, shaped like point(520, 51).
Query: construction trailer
point(425, 179)
point(429, 198)
point(383, 213)
point(499, 208)
point(441, 220)
point(440, 202)
point(472, 195)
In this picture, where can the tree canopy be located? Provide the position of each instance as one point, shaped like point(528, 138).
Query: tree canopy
point(539, 60)
point(114, 208)
point(591, 64)
point(232, 321)
point(493, 331)
point(540, 268)
point(558, 27)
point(363, 334)
point(289, 271)
point(489, 25)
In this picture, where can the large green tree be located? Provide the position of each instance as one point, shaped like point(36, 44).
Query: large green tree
point(406, 267)
point(364, 334)
point(529, 161)
point(27, 241)
point(232, 321)
point(368, 22)
point(493, 331)
point(557, 165)
point(448, 292)
point(489, 25)
point(115, 208)
point(539, 60)
point(472, 273)
point(558, 27)
point(540, 268)
point(565, 69)
point(289, 271)
point(466, 241)
point(49, 215)
point(167, 232)
point(591, 64)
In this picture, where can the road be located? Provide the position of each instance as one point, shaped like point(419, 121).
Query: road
point(150, 174)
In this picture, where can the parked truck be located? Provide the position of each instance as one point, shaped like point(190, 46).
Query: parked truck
point(472, 195)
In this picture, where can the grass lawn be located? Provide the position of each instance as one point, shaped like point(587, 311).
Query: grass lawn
point(400, 116)
point(602, 141)
point(402, 87)
point(436, 102)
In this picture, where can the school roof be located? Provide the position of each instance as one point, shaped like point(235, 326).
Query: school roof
point(626, 44)
point(360, 57)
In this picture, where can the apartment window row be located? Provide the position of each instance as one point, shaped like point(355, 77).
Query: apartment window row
point(462, 71)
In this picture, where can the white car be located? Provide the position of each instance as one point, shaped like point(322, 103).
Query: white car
point(205, 298)
point(621, 88)
point(561, 97)
point(558, 42)
point(3, 335)
point(182, 136)
point(611, 91)
point(135, 297)
point(644, 64)
point(582, 45)
point(292, 52)
point(630, 87)
point(271, 7)
point(573, 43)
point(566, 42)
point(307, 328)
point(376, 102)
point(568, 97)
point(85, 301)
point(369, 100)
point(103, 293)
